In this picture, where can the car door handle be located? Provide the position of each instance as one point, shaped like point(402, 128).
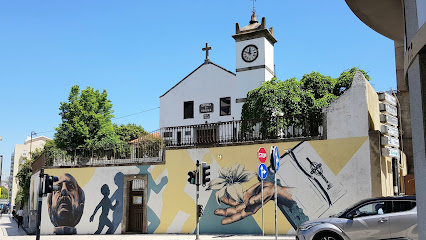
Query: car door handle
point(382, 220)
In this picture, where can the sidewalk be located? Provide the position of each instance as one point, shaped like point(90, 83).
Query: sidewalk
point(9, 231)
point(9, 227)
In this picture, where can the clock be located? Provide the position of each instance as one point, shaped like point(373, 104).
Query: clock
point(250, 53)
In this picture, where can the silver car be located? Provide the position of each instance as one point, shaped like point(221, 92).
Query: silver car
point(375, 218)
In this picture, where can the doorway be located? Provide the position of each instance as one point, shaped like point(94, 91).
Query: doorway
point(134, 219)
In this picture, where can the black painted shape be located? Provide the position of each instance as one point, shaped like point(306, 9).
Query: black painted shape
point(106, 205)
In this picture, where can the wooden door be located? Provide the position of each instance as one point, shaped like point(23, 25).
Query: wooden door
point(136, 206)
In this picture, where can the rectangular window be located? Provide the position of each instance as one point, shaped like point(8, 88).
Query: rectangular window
point(225, 106)
point(24, 153)
point(188, 109)
point(167, 134)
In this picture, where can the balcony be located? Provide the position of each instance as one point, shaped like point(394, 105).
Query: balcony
point(278, 128)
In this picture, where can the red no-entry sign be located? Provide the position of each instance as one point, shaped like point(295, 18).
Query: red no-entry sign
point(261, 154)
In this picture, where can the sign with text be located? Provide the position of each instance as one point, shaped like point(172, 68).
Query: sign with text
point(390, 152)
point(206, 108)
point(261, 155)
point(390, 141)
point(389, 130)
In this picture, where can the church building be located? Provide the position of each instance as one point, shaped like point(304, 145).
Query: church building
point(226, 91)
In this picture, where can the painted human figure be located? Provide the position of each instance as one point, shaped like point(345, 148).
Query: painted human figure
point(152, 217)
point(117, 216)
point(66, 205)
point(253, 199)
point(106, 205)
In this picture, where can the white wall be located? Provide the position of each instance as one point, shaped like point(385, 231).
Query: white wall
point(206, 85)
point(421, 12)
point(347, 116)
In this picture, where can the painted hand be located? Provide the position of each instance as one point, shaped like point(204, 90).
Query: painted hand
point(252, 202)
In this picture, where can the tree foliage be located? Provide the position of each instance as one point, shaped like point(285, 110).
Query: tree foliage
point(129, 132)
point(86, 122)
point(4, 193)
point(293, 97)
point(23, 178)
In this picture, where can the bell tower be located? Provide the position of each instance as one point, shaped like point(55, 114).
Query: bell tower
point(254, 54)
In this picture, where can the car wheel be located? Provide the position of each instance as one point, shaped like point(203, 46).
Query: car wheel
point(327, 236)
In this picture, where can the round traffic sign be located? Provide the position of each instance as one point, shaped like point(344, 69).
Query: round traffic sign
point(263, 171)
point(276, 158)
point(261, 154)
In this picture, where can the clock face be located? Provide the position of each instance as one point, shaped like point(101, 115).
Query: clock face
point(250, 53)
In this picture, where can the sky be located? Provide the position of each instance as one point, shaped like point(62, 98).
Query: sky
point(137, 50)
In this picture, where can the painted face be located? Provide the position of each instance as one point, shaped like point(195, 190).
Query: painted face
point(66, 204)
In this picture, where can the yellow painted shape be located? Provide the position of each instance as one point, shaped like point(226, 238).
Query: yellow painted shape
point(174, 197)
point(157, 171)
point(336, 153)
point(82, 175)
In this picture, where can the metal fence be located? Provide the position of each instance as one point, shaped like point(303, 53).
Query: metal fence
point(135, 153)
point(280, 127)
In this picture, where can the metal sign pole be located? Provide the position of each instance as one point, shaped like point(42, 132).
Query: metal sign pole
point(263, 225)
point(276, 200)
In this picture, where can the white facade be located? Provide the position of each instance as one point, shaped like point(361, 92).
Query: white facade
point(22, 152)
point(210, 82)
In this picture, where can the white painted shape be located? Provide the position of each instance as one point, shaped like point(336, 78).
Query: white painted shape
point(178, 222)
point(356, 179)
point(309, 194)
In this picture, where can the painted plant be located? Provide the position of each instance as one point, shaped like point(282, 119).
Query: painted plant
point(229, 183)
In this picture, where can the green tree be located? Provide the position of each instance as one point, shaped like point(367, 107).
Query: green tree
point(86, 122)
point(23, 178)
point(344, 81)
point(4, 193)
point(129, 132)
point(303, 99)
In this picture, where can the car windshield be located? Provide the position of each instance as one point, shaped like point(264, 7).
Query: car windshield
point(339, 214)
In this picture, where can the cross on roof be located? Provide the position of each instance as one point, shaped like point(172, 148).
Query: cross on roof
point(207, 48)
point(253, 3)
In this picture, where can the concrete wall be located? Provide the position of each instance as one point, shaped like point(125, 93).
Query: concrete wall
point(170, 201)
point(348, 116)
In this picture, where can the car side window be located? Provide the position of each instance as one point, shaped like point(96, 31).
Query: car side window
point(401, 206)
point(369, 209)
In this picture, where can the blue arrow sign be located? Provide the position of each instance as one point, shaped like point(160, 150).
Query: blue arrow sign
point(276, 158)
point(263, 171)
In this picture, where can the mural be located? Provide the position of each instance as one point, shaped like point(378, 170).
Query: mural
point(315, 179)
point(66, 205)
point(106, 205)
point(156, 188)
point(243, 204)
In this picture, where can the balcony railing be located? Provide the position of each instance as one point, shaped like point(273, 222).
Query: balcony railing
point(139, 151)
point(275, 128)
